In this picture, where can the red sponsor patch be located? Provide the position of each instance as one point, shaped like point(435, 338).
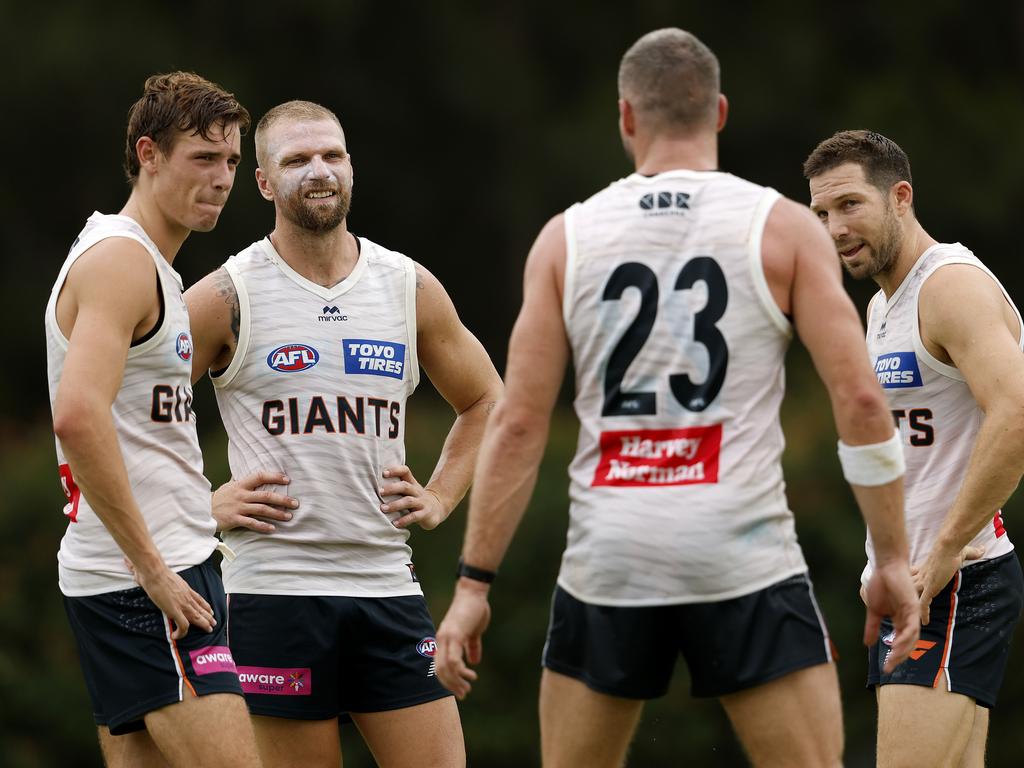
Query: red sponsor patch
point(658, 457)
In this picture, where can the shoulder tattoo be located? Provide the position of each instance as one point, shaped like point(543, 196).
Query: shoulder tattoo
point(225, 288)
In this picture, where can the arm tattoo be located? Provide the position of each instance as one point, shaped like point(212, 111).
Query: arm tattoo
point(419, 278)
point(226, 289)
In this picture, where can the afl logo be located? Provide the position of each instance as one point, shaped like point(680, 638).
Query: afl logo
point(292, 358)
point(183, 346)
point(427, 647)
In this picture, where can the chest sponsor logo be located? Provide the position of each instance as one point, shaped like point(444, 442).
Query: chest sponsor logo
point(898, 370)
point(276, 681)
point(212, 658)
point(374, 358)
point(659, 457)
point(331, 313)
point(292, 358)
point(183, 346)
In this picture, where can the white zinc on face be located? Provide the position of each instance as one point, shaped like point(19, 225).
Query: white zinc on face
point(308, 173)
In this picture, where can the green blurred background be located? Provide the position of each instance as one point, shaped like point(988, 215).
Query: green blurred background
point(469, 125)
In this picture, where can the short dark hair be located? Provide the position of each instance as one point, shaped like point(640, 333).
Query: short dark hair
point(883, 161)
point(672, 80)
point(178, 101)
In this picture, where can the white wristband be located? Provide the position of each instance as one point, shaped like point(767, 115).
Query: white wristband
point(873, 464)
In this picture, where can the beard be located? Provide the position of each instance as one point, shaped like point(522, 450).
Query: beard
point(314, 216)
point(884, 252)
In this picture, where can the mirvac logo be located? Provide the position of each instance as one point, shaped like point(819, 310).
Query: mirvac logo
point(331, 313)
point(898, 370)
point(374, 358)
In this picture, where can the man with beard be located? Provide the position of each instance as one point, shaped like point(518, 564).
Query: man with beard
point(676, 291)
point(945, 340)
point(314, 338)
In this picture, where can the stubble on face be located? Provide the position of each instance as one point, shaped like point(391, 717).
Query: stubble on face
point(885, 248)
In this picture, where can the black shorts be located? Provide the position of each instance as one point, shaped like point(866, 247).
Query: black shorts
point(317, 657)
point(729, 645)
point(967, 638)
point(131, 664)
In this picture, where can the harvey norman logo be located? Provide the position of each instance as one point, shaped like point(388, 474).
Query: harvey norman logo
point(898, 370)
point(659, 457)
point(374, 358)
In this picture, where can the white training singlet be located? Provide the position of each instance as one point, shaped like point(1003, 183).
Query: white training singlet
point(937, 416)
point(317, 390)
point(676, 488)
point(156, 430)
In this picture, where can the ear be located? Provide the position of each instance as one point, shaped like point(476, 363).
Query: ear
point(902, 197)
point(264, 185)
point(723, 112)
point(627, 118)
point(148, 153)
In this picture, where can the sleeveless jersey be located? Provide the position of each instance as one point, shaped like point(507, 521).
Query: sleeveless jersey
point(676, 488)
point(317, 390)
point(156, 430)
point(937, 416)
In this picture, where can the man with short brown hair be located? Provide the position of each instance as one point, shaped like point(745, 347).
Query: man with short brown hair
point(676, 290)
point(945, 340)
point(144, 600)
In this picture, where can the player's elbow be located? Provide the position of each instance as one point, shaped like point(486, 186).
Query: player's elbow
point(862, 413)
point(516, 423)
point(72, 419)
point(1009, 415)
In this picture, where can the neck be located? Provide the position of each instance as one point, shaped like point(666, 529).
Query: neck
point(168, 236)
point(662, 153)
point(325, 258)
point(915, 242)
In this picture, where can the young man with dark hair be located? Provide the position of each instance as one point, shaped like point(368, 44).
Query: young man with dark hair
point(945, 341)
point(144, 600)
point(676, 291)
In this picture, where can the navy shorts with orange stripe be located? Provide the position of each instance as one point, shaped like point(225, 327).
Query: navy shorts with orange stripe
point(967, 639)
point(130, 663)
point(729, 645)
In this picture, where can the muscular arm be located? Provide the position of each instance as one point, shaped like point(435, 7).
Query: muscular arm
point(803, 268)
point(804, 275)
point(966, 321)
point(462, 372)
point(512, 449)
point(107, 300)
point(214, 316)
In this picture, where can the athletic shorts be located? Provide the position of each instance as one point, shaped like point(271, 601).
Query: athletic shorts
point(967, 638)
point(318, 657)
point(729, 645)
point(131, 664)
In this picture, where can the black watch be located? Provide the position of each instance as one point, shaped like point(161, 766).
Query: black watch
point(477, 574)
